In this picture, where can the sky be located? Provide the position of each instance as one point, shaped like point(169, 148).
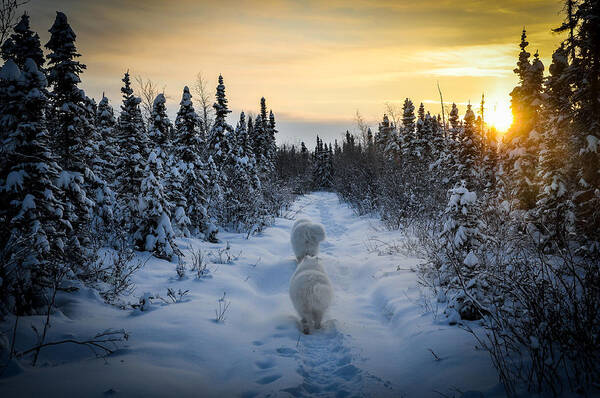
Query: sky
point(316, 62)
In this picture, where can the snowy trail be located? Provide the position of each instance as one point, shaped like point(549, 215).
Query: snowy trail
point(375, 340)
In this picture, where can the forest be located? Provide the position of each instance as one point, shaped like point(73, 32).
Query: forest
point(507, 225)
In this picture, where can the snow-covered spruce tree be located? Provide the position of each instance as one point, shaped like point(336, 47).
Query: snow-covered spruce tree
point(272, 130)
point(408, 138)
point(243, 202)
point(108, 145)
point(460, 261)
point(420, 142)
point(554, 208)
point(526, 101)
point(133, 154)
point(454, 120)
point(322, 171)
point(264, 141)
point(153, 221)
point(33, 234)
point(219, 148)
point(71, 128)
point(219, 140)
point(190, 181)
point(160, 126)
point(469, 154)
point(387, 139)
point(23, 44)
point(584, 75)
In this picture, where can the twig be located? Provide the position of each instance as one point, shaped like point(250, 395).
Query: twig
point(434, 355)
point(97, 342)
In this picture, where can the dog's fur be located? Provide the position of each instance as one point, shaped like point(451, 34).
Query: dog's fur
point(305, 237)
point(311, 292)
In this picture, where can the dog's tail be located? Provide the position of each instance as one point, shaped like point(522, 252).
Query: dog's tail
point(315, 233)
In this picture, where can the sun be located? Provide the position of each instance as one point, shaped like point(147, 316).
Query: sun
point(500, 116)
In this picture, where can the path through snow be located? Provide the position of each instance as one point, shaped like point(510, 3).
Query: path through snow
point(375, 340)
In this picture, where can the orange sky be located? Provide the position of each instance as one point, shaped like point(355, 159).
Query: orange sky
point(317, 63)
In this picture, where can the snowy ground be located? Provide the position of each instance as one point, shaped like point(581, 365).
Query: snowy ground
point(375, 342)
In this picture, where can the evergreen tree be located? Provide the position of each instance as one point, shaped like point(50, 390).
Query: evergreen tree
point(322, 172)
point(23, 44)
point(191, 193)
point(108, 146)
point(243, 203)
point(554, 206)
point(525, 131)
point(462, 239)
point(220, 150)
point(454, 121)
point(584, 76)
point(34, 231)
point(154, 231)
point(159, 132)
point(469, 154)
point(408, 138)
point(133, 154)
point(220, 135)
point(387, 139)
point(71, 129)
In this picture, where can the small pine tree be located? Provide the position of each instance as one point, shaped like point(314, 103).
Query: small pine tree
point(153, 216)
point(23, 44)
point(554, 206)
point(133, 154)
point(526, 100)
point(190, 191)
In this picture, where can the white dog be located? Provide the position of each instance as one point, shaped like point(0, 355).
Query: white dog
point(306, 237)
point(311, 292)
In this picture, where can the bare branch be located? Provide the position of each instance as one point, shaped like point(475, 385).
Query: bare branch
point(8, 16)
point(203, 97)
point(147, 90)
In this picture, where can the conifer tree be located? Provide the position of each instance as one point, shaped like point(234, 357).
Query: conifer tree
point(218, 144)
point(408, 138)
point(462, 239)
point(23, 44)
point(584, 76)
point(71, 128)
point(108, 145)
point(244, 201)
point(191, 194)
point(154, 231)
point(525, 132)
point(32, 215)
point(454, 121)
point(469, 154)
point(219, 148)
point(554, 206)
point(133, 154)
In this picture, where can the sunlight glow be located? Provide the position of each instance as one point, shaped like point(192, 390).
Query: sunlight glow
point(500, 116)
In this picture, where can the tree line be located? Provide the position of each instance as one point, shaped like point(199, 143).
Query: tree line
point(76, 176)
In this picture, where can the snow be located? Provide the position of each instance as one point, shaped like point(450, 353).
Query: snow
point(471, 260)
point(14, 180)
point(377, 338)
point(10, 71)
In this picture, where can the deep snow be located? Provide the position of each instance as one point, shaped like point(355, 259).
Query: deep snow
point(376, 339)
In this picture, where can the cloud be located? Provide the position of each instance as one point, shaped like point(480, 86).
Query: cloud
point(315, 61)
